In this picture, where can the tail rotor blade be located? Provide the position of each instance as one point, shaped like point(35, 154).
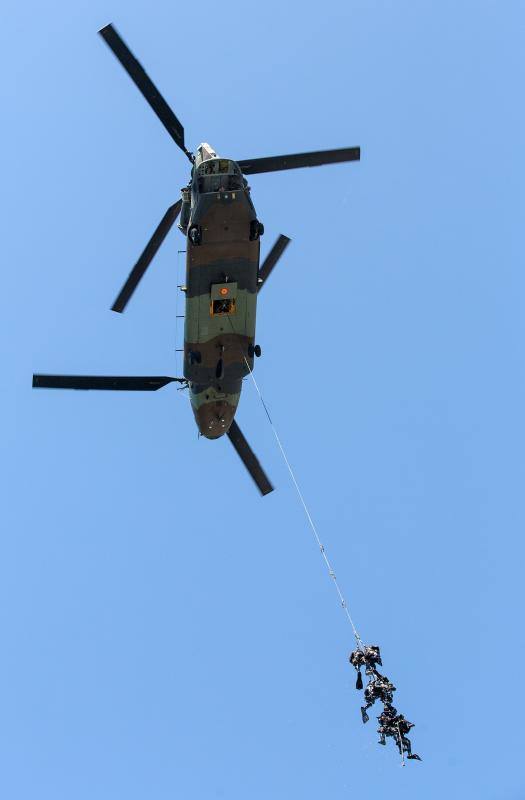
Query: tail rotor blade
point(249, 459)
point(135, 383)
point(145, 85)
point(146, 257)
point(272, 258)
point(296, 160)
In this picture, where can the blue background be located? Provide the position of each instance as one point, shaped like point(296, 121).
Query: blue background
point(166, 632)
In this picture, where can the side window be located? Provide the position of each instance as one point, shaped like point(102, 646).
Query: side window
point(223, 299)
point(219, 307)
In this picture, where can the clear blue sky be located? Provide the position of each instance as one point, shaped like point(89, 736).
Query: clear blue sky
point(165, 632)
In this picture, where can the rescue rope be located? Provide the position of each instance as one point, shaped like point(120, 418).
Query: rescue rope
point(306, 511)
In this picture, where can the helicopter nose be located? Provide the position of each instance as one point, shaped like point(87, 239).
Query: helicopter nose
point(214, 419)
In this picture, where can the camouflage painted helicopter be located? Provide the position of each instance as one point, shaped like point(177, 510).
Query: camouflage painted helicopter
point(223, 277)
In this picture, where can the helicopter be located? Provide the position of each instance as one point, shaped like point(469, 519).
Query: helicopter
point(223, 274)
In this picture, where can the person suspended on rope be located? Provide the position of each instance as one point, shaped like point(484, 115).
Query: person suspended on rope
point(380, 688)
point(386, 723)
point(395, 725)
point(404, 744)
point(367, 656)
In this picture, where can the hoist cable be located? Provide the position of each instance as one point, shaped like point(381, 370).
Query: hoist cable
point(306, 510)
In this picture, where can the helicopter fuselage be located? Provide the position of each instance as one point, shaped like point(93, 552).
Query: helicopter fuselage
point(222, 264)
point(223, 276)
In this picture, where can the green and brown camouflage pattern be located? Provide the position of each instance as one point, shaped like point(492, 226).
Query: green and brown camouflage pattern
point(218, 350)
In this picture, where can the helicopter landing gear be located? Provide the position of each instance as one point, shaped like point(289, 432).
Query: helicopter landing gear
point(256, 230)
point(254, 350)
point(195, 235)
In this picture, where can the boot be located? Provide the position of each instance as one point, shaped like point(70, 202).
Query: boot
point(364, 714)
point(359, 681)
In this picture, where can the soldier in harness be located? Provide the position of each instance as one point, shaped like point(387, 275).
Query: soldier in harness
point(380, 688)
point(368, 657)
point(386, 723)
point(395, 725)
point(404, 744)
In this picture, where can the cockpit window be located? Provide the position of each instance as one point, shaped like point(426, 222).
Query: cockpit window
point(219, 183)
point(219, 175)
point(215, 166)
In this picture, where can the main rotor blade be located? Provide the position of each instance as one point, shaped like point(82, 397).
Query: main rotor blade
point(296, 160)
point(145, 85)
point(135, 383)
point(249, 459)
point(272, 258)
point(146, 257)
